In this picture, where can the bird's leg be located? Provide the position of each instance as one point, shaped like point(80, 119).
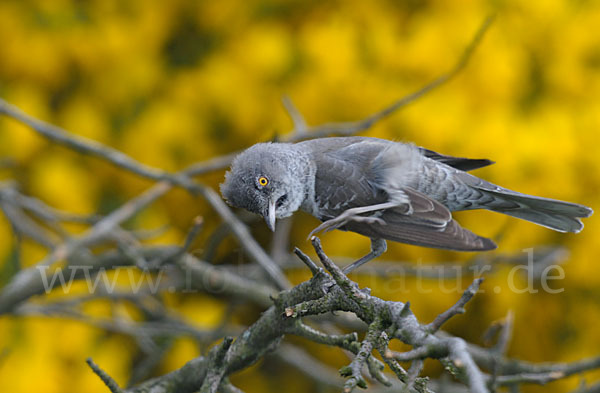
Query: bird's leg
point(378, 247)
point(354, 214)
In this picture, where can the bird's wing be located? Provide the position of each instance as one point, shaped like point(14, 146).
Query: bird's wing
point(463, 164)
point(429, 224)
point(344, 180)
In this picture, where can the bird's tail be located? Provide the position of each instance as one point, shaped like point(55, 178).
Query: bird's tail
point(551, 213)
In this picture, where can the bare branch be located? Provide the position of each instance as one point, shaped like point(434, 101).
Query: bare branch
point(354, 369)
point(351, 128)
point(245, 238)
point(81, 144)
point(227, 387)
point(595, 388)
point(217, 366)
point(458, 308)
point(460, 357)
point(413, 373)
point(307, 261)
point(308, 365)
point(343, 340)
point(300, 127)
point(502, 345)
point(107, 379)
point(417, 354)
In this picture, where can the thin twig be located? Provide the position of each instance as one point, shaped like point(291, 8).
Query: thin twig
point(341, 340)
point(308, 365)
point(243, 235)
point(227, 387)
point(189, 239)
point(298, 121)
point(354, 369)
point(457, 308)
point(413, 373)
point(81, 144)
point(461, 358)
point(416, 354)
point(107, 379)
point(501, 346)
point(350, 128)
point(217, 366)
point(307, 261)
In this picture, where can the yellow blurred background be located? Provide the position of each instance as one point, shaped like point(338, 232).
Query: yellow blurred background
point(175, 82)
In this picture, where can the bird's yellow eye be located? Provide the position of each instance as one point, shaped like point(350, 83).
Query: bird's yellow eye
point(263, 181)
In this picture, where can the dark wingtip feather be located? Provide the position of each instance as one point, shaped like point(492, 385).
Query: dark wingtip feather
point(460, 163)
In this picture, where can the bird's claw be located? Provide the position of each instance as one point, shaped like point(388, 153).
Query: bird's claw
point(342, 220)
point(318, 229)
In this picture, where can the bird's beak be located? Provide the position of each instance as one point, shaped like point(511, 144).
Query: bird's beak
point(270, 217)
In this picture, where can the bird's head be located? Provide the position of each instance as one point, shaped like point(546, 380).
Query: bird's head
point(267, 179)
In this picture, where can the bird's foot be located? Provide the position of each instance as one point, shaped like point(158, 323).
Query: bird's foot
point(344, 219)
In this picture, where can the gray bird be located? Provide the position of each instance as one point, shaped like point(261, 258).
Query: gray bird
point(382, 189)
